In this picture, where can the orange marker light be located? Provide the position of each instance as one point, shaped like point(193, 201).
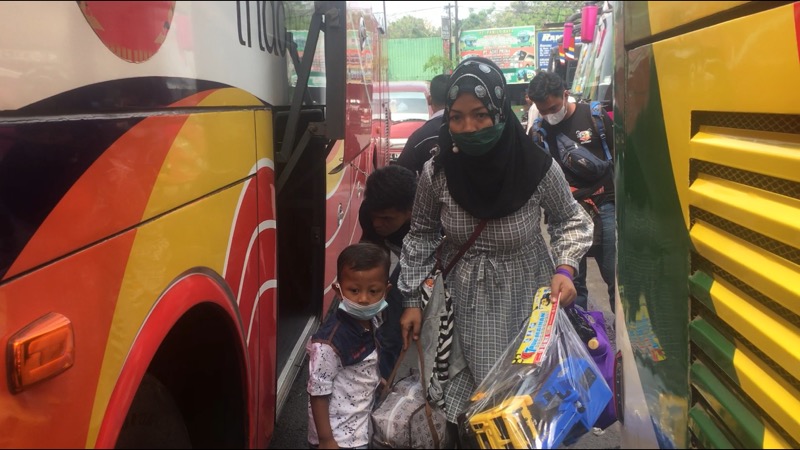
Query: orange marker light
point(40, 351)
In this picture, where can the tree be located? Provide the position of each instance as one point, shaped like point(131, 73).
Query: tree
point(477, 20)
point(537, 13)
point(439, 64)
point(411, 27)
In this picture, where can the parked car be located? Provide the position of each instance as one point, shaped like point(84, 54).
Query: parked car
point(408, 110)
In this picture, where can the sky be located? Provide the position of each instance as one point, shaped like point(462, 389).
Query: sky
point(431, 11)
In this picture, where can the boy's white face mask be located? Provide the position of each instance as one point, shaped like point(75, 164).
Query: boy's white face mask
point(361, 312)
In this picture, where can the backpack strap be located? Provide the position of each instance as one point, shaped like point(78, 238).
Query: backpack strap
point(597, 116)
point(539, 134)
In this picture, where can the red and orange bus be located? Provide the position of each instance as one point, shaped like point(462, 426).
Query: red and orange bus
point(175, 185)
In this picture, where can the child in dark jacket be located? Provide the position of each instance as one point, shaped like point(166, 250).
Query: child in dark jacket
point(343, 354)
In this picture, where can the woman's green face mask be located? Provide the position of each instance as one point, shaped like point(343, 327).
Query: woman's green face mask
point(477, 143)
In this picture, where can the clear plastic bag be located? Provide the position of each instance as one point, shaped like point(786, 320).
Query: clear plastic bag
point(543, 392)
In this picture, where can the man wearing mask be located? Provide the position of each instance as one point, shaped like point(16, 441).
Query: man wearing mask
point(574, 120)
point(421, 144)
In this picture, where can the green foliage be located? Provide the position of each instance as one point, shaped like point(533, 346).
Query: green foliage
point(518, 13)
point(477, 20)
point(439, 64)
point(411, 27)
point(298, 15)
point(537, 13)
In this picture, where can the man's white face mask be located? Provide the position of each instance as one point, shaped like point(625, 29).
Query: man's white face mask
point(557, 117)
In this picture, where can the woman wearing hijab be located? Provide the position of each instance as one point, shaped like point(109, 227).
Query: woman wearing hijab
point(487, 168)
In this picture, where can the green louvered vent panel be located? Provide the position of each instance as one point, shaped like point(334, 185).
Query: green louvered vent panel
point(711, 393)
point(700, 311)
point(717, 392)
point(700, 263)
point(744, 218)
point(706, 429)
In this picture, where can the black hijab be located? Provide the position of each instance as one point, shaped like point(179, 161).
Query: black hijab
point(501, 181)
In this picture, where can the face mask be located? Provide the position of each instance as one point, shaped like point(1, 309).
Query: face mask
point(479, 142)
point(557, 117)
point(362, 312)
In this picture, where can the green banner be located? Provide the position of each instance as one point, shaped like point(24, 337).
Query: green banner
point(513, 49)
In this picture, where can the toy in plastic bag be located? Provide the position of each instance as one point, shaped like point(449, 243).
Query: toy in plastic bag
point(544, 391)
point(591, 328)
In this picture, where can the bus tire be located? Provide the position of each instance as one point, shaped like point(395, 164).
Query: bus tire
point(153, 420)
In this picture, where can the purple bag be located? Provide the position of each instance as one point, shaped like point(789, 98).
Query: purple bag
point(591, 327)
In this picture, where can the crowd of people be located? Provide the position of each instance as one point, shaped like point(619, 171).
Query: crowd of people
point(473, 163)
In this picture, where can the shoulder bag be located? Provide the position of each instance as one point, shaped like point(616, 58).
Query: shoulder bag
point(440, 344)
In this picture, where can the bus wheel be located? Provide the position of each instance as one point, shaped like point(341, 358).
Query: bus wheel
point(154, 420)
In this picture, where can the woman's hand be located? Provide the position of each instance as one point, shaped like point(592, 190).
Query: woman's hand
point(410, 324)
point(561, 286)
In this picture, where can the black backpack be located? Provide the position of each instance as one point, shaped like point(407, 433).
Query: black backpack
point(578, 160)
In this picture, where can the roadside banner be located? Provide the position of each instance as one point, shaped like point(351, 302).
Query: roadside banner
point(545, 42)
point(513, 49)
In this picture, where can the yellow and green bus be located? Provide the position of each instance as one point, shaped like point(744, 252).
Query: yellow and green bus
point(707, 118)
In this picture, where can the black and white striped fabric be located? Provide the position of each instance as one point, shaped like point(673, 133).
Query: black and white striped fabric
point(439, 375)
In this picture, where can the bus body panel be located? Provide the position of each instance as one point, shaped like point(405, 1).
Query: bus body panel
point(63, 403)
point(159, 164)
point(138, 171)
point(62, 46)
point(646, 19)
point(708, 279)
point(186, 292)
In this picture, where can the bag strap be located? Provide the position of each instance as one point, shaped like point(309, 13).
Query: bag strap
point(597, 117)
point(431, 425)
point(388, 386)
point(333, 331)
point(390, 381)
point(428, 412)
point(539, 134)
point(465, 247)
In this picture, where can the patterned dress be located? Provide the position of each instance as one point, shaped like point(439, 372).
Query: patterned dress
point(493, 284)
